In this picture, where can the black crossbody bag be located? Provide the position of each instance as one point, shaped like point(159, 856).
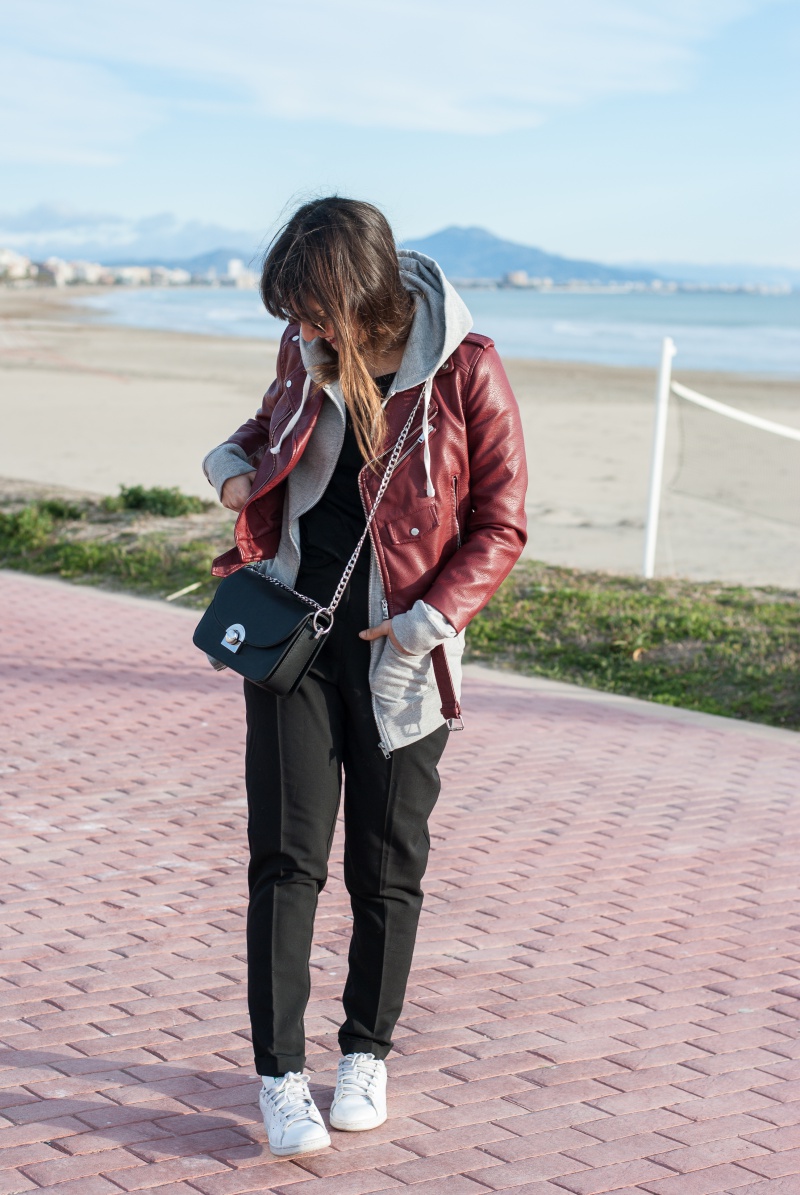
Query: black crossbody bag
point(268, 632)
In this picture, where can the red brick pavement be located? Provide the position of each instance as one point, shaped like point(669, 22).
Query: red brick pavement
point(605, 990)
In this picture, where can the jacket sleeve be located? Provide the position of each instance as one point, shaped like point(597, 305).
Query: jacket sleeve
point(242, 451)
point(498, 480)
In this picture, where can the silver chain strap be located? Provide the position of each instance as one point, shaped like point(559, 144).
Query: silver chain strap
point(393, 459)
point(281, 585)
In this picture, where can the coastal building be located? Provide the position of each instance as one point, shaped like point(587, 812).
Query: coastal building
point(163, 276)
point(15, 267)
point(54, 272)
point(90, 272)
point(239, 276)
point(133, 275)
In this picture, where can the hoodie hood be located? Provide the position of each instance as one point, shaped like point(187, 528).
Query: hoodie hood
point(441, 321)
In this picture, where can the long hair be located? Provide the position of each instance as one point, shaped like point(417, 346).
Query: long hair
point(339, 255)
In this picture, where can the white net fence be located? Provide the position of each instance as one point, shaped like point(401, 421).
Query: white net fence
point(736, 459)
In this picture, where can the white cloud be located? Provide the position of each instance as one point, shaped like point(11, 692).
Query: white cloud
point(450, 66)
point(55, 110)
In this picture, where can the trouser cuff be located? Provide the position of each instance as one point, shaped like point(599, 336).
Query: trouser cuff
point(279, 1064)
point(363, 1045)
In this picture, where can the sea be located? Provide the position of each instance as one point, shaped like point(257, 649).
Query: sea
point(732, 331)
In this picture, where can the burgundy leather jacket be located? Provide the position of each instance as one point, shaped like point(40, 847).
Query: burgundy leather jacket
point(452, 550)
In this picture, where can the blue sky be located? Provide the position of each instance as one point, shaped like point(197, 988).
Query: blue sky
point(621, 130)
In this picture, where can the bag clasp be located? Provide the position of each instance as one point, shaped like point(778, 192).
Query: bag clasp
point(233, 637)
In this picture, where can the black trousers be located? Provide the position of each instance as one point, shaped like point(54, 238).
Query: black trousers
point(297, 748)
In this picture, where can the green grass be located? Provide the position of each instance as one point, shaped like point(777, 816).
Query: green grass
point(156, 500)
point(722, 649)
point(36, 539)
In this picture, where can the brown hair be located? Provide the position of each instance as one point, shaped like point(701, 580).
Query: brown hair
point(340, 254)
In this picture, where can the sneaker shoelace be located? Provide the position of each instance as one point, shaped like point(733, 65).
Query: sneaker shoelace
point(357, 1074)
point(291, 1098)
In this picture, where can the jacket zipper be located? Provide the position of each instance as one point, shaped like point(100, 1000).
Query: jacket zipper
point(416, 438)
point(455, 511)
point(267, 479)
point(419, 440)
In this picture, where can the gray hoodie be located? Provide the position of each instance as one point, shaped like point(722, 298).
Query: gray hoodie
point(405, 697)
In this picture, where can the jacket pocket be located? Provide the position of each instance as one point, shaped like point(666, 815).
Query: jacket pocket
point(411, 526)
point(401, 679)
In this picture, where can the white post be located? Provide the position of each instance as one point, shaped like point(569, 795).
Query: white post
point(668, 351)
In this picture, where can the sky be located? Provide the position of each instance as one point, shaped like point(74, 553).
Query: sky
point(615, 130)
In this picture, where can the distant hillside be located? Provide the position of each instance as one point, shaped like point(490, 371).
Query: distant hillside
point(476, 253)
point(201, 263)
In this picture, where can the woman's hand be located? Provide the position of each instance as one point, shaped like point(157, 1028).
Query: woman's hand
point(236, 490)
point(384, 628)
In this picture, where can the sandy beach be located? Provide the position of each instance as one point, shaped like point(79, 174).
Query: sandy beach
point(91, 406)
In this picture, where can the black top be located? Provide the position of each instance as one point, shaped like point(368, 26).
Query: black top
point(330, 531)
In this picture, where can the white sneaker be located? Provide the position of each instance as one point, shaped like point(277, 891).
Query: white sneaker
point(291, 1118)
point(359, 1101)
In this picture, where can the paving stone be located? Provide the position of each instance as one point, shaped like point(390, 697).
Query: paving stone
point(533, 1169)
point(715, 1180)
point(96, 1185)
point(439, 1165)
point(776, 1165)
point(361, 1183)
point(530, 1145)
point(625, 1149)
point(13, 1182)
point(612, 1178)
point(445, 1140)
point(158, 1174)
point(605, 991)
point(710, 1153)
point(64, 1168)
point(265, 1176)
point(770, 1186)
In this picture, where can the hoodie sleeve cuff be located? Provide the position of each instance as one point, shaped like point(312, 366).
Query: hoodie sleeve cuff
point(421, 629)
point(224, 462)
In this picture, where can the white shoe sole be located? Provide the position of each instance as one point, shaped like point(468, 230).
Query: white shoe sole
point(290, 1151)
point(360, 1126)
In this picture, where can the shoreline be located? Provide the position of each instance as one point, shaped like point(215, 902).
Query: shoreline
point(92, 405)
point(60, 304)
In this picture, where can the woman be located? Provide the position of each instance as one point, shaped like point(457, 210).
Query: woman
point(372, 334)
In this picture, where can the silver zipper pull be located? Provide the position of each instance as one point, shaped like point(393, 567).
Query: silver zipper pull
point(384, 608)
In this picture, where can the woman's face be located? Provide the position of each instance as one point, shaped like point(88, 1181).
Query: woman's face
point(321, 326)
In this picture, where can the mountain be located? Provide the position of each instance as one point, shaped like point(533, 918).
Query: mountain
point(477, 253)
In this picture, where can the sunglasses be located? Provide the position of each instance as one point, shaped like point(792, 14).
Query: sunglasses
point(319, 323)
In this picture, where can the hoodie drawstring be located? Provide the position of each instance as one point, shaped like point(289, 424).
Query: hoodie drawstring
point(294, 419)
point(426, 452)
